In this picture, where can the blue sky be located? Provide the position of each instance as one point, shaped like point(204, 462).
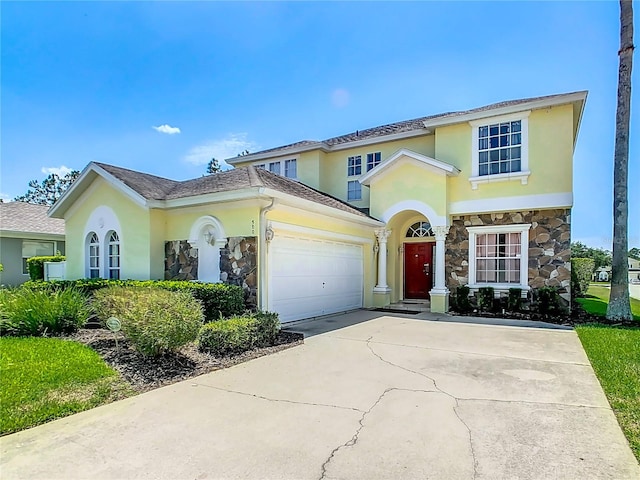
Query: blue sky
point(89, 81)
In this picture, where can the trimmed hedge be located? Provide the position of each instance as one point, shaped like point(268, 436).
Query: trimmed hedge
point(581, 271)
point(156, 321)
point(238, 334)
point(218, 299)
point(35, 265)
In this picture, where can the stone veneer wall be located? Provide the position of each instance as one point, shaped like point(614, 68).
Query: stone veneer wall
point(238, 264)
point(180, 261)
point(549, 247)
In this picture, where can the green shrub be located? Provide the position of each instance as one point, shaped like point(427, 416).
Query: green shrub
point(234, 335)
point(25, 312)
point(463, 304)
point(155, 320)
point(581, 271)
point(267, 326)
point(548, 300)
point(485, 298)
point(218, 299)
point(514, 302)
point(35, 265)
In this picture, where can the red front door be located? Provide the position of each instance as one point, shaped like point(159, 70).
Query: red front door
point(418, 270)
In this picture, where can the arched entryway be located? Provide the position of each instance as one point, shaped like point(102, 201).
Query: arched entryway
point(207, 236)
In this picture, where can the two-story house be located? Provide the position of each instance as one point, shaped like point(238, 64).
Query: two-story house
point(408, 210)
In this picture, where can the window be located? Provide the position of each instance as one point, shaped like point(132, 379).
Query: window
point(500, 149)
point(274, 167)
point(114, 256)
point(373, 159)
point(498, 256)
point(32, 248)
point(354, 190)
point(94, 255)
point(354, 165)
point(419, 229)
point(260, 165)
point(290, 169)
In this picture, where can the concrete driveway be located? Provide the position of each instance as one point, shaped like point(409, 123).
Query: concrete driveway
point(387, 397)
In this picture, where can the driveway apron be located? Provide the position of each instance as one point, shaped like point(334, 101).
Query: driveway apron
point(387, 397)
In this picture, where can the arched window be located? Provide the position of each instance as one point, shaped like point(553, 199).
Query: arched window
point(420, 229)
point(93, 255)
point(114, 256)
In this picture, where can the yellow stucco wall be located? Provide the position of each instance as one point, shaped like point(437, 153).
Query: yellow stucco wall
point(239, 219)
point(134, 235)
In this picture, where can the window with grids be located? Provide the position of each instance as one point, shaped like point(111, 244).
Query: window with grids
point(274, 167)
point(94, 256)
point(498, 257)
point(354, 190)
point(373, 159)
point(354, 165)
point(291, 169)
point(500, 148)
point(420, 229)
point(114, 256)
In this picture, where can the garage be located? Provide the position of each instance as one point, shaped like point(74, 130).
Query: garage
point(309, 276)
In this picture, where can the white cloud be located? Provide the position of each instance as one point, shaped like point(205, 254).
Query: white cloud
point(61, 171)
point(340, 97)
point(168, 129)
point(227, 147)
point(5, 197)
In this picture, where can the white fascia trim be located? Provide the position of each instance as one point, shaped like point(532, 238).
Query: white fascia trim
point(308, 205)
point(318, 233)
point(219, 197)
point(509, 204)
point(255, 157)
point(441, 167)
point(523, 176)
point(532, 105)
point(32, 235)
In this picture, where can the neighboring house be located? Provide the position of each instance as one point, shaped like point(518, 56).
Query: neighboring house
point(634, 270)
point(406, 211)
point(26, 231)
point(602, 274)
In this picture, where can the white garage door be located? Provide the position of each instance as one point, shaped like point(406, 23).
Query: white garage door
point(312, 277)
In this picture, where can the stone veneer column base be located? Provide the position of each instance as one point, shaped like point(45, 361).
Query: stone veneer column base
point(439, 301)
point(381, 298)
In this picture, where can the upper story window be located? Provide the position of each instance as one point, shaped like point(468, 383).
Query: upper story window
point(260, 165)
point(354, 190)
point(373, 159)
point(291, 169)
point(114, 256)
point(500, 149)
point(274, 167)
point(33, 248)
point(354, 165)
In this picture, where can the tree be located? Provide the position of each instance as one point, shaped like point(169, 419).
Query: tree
point(600, 257)
point(51, 188)
point(213, 167)
point(634, 253)
point(619, 307)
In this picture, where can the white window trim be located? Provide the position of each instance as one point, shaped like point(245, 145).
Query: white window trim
point(353, 199)
point(108, 256)
point(285, 173)
point(274, 164)
point(523, 174)
point(354, 157)
point(523, 229)
point(374, 164)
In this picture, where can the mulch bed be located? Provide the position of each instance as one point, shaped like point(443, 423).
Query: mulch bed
point(144, 373)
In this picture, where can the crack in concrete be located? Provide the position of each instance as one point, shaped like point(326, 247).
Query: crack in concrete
point(283, 400)
point(440, 390)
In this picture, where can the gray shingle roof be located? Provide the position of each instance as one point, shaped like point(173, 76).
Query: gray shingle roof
point(27, 217)
point(415, 124)
point(152, 187)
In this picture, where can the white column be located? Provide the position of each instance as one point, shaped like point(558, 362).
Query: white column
point(382, 234)
point(440, 232)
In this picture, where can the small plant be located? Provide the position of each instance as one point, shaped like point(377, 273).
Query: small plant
point(155, 320)
point(267, 326)
point(463, 305)
point(231, 336)
point(25, 312)
point(581, 271)
point(514, 301)
point(485, 298)
point(548, 300)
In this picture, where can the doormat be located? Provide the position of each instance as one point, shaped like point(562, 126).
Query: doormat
point(396, 310)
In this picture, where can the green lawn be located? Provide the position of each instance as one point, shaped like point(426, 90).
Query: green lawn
point(46, 378)
point(615, 356)
point(597, 299)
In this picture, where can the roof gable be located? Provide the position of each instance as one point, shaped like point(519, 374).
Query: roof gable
point(431, 163)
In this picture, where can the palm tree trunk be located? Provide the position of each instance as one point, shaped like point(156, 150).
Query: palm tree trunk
point(619, 307)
